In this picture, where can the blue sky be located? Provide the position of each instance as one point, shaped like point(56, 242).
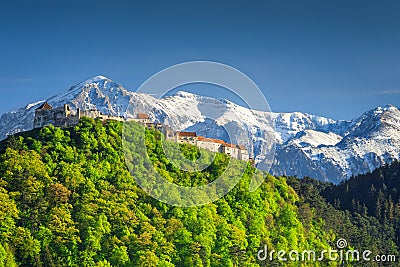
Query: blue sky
point(331, 58)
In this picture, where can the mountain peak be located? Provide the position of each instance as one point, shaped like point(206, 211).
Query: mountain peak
point(96, 79)
point(389, 107)
point(184, 94)
point(380, 110)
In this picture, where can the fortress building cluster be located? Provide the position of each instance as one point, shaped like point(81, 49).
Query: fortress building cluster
point(65, 117)
point(214, 145)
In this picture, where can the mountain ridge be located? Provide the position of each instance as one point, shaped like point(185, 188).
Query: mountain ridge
point(305, 143)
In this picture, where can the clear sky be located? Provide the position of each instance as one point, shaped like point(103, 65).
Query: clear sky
point(332, 58)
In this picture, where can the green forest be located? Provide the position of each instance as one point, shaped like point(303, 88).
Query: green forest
point(68, 199)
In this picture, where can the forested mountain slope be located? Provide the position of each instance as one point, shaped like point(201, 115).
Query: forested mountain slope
point(68, 200)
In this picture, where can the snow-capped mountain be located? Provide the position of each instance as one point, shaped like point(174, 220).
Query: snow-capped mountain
point(362, 145)
point(306, 145)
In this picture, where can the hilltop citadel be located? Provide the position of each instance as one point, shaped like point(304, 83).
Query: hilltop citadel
point(65, 117)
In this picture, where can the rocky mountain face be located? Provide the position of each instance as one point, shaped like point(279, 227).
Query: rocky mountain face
point(305, 145)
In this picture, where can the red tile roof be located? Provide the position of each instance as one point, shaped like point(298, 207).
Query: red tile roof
point(211, 140)
point(142, 116)
point(222, 142)
point(230, 145)
point(190, 134)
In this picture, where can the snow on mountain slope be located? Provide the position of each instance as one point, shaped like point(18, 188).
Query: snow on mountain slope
point(312, 138)
point(370, 141)
point(289, 124)
point(307, 145)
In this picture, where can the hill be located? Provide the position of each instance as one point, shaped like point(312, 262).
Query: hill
point(68, 200)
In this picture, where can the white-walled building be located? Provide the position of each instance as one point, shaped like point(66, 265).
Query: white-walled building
point(214, 145)
point(187, 137)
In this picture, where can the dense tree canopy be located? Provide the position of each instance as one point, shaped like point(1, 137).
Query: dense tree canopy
point(68, 199)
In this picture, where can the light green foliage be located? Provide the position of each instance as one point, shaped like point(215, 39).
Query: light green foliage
point(6, 256)
point(67, 199)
